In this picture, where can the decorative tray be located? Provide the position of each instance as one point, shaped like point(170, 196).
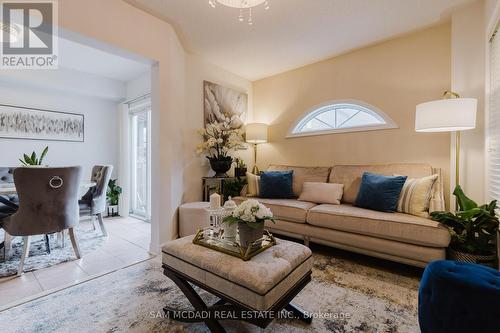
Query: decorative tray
point(207, 238)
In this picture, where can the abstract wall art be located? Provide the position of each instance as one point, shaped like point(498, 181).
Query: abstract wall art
point(17, 122)
point(223, 104)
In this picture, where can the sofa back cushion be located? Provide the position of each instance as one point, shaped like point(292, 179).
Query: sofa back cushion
point(350, 175)
point(303, 174)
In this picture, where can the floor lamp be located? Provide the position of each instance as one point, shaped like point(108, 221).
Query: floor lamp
point(256, 133)
point(451, 114)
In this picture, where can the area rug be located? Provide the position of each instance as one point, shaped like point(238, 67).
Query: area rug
point(88, 240)
point(345, 295)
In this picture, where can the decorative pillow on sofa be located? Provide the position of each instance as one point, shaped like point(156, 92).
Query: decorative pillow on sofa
point(253, 188)
point(378, 192)
point(325, 193)
point(416, 195)
point(276, 184)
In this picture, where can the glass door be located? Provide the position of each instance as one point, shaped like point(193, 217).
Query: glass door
point(141, 162)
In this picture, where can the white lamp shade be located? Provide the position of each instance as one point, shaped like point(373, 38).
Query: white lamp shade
point(446, 115)
point(256, 133)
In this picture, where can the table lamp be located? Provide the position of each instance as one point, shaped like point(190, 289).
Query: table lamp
point(256, 133)
point(451, 114)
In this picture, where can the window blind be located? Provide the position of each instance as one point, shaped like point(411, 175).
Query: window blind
point(140, 105)
point(494, 119)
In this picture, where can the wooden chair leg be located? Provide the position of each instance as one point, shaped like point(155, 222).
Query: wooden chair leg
point(26, 253)
point(74, 242)
point(101, 224)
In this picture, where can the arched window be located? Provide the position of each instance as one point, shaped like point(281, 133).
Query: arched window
point(341, 117)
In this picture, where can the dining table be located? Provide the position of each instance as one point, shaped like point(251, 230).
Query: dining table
point(10, 188)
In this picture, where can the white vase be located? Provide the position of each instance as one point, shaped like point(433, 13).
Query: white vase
point(230, 231)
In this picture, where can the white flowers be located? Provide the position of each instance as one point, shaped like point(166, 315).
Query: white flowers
point(252, 211)
point(219, 140)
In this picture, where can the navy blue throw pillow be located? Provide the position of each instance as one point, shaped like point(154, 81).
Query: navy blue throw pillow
point(378, 192)
point(276, 184)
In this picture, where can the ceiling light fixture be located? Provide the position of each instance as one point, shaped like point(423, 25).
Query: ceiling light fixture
point(245, 7)
point(10, 29)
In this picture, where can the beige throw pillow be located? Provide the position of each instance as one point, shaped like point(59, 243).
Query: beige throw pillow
point(253, 189)
point(326, 193)
point(416, 195)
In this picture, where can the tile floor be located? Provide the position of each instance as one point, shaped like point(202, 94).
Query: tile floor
point(127, 243)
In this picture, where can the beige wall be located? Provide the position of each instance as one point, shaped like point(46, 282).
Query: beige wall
point(176, 97)
point(468, 79)
point(394, 76)
point(196, 166)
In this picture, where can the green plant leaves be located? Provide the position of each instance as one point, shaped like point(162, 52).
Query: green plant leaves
point(113, 192)
point(33, 160)
point(464, 203)
point(473, 228)
point(44, 152)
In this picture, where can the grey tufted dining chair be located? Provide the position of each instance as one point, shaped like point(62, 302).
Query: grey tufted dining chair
point(93, 203)
point(48, 203)
point(8, 204)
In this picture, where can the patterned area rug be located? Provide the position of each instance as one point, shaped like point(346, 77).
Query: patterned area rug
point(348, 293)
point(88, 240)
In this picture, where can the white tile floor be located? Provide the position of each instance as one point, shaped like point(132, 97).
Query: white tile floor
point(127, 243)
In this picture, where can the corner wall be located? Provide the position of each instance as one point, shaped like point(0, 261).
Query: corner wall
point(176, 98)
point(394, 76)
point(468, 79)
point(195, 167)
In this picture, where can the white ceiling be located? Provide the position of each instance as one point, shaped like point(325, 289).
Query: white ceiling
point(87, 59)
point(292, 33)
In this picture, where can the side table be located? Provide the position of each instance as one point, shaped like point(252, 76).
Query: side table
point(214, 185)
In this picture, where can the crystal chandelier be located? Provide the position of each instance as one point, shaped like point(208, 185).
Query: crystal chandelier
point(245, 7)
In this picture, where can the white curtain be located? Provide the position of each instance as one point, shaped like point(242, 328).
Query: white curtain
point(494, 118)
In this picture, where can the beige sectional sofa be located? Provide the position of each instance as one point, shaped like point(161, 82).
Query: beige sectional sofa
point(395, 236)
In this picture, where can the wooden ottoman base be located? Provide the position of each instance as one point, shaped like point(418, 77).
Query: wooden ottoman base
point(229, 309)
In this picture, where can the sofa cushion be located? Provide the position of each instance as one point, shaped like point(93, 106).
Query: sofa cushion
point(396, 226)
point(379, 192)
point(276, 184)
point(285, 209)
point(253, 188)
point(303, 174)
point(350, 175)
point(416, 195)
point(322, 193)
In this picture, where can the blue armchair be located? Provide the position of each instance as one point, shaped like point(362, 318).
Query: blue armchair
point(459, 297)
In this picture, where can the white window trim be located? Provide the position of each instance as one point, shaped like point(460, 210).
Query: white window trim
point(389, 123)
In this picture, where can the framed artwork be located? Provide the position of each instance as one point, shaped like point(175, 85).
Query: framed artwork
point(223, 104)
point(18, 122)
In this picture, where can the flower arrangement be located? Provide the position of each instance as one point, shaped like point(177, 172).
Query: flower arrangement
point(219, 141)
point(250, 212)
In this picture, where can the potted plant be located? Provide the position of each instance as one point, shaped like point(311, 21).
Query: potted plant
point(473, 230)
point(250, 216)
point(232, 188)
point(219, 141)
point(33, 160)
point(113, 196)
point(240, 169)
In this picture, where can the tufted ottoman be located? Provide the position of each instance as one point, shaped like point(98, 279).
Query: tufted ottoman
point(459, 297)
point(266, 284)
